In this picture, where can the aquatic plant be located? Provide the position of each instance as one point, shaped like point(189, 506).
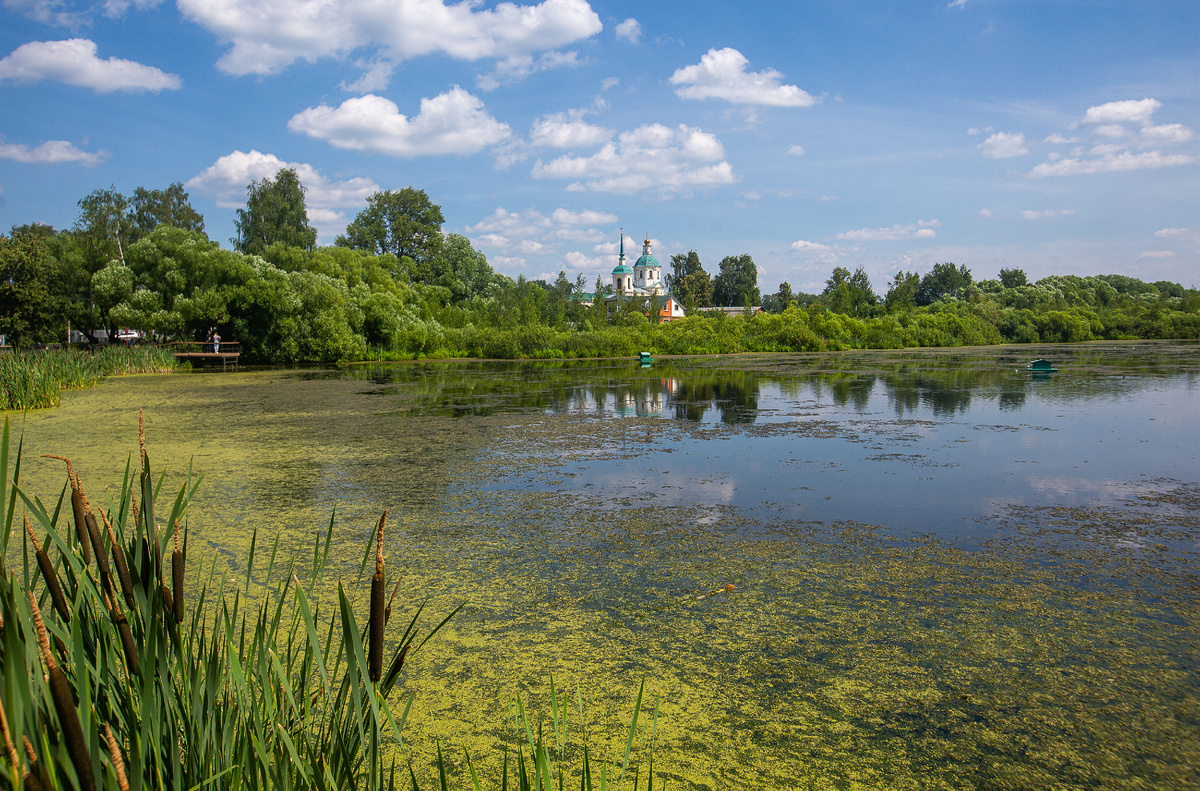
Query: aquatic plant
point(37, 379)
point(132, 680)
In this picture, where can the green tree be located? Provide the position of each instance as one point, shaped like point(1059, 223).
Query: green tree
point(274, 212)
point(848, 293)
point(403, 223)
point(736, 285)
point(30, 302)
point(1013, 278)
point(944, 280)
point(104, 226)
point(902, 292)
point(170, 206)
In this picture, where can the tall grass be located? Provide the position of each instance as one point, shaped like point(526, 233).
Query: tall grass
point(119, 673)
point(37, 379)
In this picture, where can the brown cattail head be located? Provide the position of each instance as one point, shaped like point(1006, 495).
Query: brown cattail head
point(128, 646)
point(64, 704)
point(97, 542)
point(50, 578)
point(177, 576)
point(118, 762)
point(122, 563)
point(397, 664)
point(168, 601)
point(142, 436)
point(77, 506)
point(378, 619)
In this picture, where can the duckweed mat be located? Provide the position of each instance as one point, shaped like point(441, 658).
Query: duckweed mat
point(600, 535)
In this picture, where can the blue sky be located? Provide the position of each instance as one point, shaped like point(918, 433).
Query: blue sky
point(1057, 137)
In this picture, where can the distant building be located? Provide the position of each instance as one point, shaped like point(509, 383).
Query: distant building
point(643, 283)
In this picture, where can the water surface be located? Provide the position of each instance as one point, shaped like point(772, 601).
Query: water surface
point(948, 574)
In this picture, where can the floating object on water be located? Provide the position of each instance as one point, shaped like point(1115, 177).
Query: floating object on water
point(645, 358)
point(1041, 367)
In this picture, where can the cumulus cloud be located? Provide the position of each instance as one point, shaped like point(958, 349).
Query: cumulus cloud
point(630, 30)
point(650, 159)
point(722, 74)
point(226, 179)
point(1111, 163)
point(1030, 214)
point(74, 62)
point(796, 151)
point(1122, 148)
point(567, 130)
point(1156, 254)
point(815, 252)
point(454, 122)
point(117, 8)
point(513, 237)
point(1166, 135)
point(267, 36)
point(1003, 145)
point(52, 152)
point(917, 230)
point(1128, 111)
point(1058, 139)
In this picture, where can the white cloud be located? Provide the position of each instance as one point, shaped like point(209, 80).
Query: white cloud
point(515, 68)
point(649, 159)
point(52, 152)
point(1166, 135)
point(1111, 163)
point(1156, 254)
point(117, 8)
point(226, 179)
point(1174, 233)
point(721, 74)
point(269, 35)
point(1123, 149)
point(563, 130)
point(630, 30)
point(1134, 111)
point(1003, 145)
point(1030, 214)
point(816, 252)
point(454, 122)
point(510, 236)
point(796, 151)
point(1058, 139)
point(74, 62)
point(985, 213)
point(917, 230)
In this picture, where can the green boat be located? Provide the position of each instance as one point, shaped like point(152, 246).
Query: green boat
point(1041, 367)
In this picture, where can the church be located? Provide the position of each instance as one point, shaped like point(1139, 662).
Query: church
point(643, 282)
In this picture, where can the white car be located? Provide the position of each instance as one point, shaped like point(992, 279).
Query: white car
point(127, 336)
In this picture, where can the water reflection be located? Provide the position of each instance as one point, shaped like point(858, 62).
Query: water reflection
point(698, 391)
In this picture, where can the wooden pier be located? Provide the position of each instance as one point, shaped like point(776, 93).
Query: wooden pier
point(201, 354)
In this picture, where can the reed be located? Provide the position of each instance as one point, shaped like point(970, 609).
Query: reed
point(238, 690)
point(37, 379)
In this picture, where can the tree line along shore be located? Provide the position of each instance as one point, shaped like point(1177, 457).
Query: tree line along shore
point(394, 286)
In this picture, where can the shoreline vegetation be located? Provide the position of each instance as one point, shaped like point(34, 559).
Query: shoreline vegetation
point(36, 379)
point(118, 672)
point(396, 287)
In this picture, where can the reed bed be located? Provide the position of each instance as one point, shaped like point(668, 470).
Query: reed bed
point(116, 672)
point(37, 379)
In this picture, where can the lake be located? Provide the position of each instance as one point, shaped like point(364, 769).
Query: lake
point(946, 572)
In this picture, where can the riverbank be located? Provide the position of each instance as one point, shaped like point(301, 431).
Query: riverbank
point(37, 379)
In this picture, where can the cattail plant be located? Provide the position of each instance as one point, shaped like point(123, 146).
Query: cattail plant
point(377, 621)
point(64, 704)
point(81, 530)
point(49, 576)
point(177, 577)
